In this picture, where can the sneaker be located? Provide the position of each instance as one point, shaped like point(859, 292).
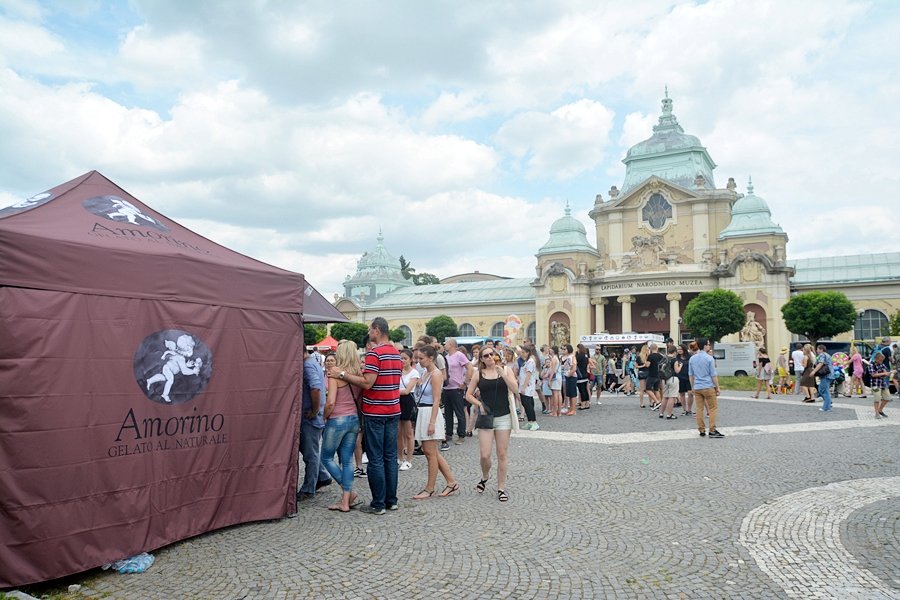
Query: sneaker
point(365, 459)
point(459, 441)
point(405, 465)
point(678, 405)
point(418, 452)
point(662, 416)
point(878, 416)
point(393, 507)
point(715, 434)
point(702, 434)
point(671, 417)
point(371, 511)
point(321, 484)
point(535, 426)
point(824, 410)
point(359, 473)
point(545, 412)
point(468, 434)
point(883, 415)
point(444, 446)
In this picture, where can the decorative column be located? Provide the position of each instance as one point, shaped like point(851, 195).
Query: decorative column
point(600, 312)
point(626, 302)
point(674, 313)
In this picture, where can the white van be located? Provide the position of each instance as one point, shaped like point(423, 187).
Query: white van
point(737, 358)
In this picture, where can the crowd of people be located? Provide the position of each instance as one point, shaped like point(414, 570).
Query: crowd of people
point(379, 410)
point(817, 374)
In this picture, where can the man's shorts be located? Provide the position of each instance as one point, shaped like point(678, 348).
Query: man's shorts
point(671, 389)
point(881, 395)
point(653, 383)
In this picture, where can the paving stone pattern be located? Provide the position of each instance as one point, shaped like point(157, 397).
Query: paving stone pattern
point(586, 519)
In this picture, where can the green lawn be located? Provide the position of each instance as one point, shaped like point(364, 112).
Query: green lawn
point(737, 384)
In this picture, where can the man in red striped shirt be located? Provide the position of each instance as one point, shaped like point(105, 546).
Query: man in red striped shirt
point(380, 382)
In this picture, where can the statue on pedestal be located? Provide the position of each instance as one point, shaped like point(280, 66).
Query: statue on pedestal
point(753, 331)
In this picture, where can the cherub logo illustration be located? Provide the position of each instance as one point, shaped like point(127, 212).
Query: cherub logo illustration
point(177, 363)
point(23, 205)
point(120, 210)
point(131, 213)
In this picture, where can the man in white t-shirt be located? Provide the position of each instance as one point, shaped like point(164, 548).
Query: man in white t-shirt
point(797, 358)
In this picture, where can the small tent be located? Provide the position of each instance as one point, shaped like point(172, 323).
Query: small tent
point(329, 343)
point(150, 382)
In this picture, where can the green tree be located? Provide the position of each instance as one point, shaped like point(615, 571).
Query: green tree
point(312, 334)
point(350, 331)
point(425, 279)
point(714, 314)
point(441, 327)
point(894, 324)
point(819, 314)
point(396, 335)
point(409, 273)
point(405, 268)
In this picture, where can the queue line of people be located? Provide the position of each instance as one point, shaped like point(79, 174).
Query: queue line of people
point(395, 399)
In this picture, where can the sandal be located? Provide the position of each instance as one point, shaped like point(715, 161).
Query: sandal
point(502, 496)
point(452, 488)
point(424, 494)
point(355, 501)
point(480, 487)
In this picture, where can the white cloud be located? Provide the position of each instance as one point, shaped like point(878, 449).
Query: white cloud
point(453, 107)
point(299, 137)
point(561, 144)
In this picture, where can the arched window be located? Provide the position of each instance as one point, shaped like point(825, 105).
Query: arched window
point(497, 329)
point(871, 324)
point(531, 333)
point(466, 330)
point(407, 341)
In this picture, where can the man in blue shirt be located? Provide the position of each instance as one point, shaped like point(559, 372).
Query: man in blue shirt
point(311, 426)
point(705, 383)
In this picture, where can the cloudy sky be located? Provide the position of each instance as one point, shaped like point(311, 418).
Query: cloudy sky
point(293, 131)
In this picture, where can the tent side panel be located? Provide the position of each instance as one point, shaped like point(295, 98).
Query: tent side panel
point(129, 424)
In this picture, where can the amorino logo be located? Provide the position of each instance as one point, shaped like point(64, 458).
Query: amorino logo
point(120, 210)
point(172, 366)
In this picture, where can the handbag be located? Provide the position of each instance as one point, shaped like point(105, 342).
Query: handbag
point(485, 420)
point(421, 389)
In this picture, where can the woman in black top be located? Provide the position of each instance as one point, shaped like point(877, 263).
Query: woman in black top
point(685, 397)
point(581, 367)
point(763, 372)
point(493, 383)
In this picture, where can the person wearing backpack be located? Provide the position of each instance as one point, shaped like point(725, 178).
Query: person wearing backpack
point(822, 370)
point(668, 385)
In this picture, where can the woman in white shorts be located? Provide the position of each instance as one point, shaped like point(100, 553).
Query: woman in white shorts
point(494, 384)
point(430, 425)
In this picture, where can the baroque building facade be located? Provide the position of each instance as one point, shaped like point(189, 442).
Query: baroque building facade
point(669, 234)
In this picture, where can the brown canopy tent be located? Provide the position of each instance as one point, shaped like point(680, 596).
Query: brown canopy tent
point(149, 382)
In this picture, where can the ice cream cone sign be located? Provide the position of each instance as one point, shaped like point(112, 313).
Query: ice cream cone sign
point(511, 329)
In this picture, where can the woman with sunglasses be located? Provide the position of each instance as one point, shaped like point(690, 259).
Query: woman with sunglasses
point(493, 384)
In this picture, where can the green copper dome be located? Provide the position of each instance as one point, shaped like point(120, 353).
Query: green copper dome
point(567, 234)
point(670, 154)
point(377, 273)
point(750, 215)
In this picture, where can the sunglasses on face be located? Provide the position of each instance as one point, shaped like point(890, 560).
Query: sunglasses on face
point(483, 354)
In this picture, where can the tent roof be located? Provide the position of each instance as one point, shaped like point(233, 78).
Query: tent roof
point(90, 236)
point(316, 309)
point(328, 342)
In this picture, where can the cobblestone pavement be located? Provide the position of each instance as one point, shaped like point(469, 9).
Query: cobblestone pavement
point(800, 504)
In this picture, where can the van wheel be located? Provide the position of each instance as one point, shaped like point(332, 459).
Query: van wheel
point(740, 373)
